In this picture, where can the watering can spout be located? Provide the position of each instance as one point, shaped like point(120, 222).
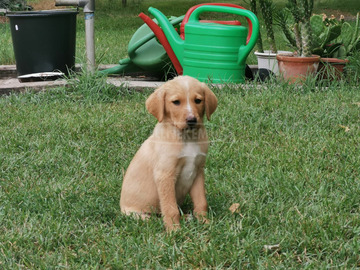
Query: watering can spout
point(172, 36)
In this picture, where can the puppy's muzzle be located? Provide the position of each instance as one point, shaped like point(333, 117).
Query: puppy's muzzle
point(191, 121)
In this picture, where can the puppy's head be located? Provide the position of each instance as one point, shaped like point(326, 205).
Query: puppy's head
point(182, 102)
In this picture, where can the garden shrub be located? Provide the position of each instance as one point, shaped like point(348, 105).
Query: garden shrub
point(13, 4)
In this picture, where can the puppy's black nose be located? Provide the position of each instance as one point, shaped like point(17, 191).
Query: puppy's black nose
point(191, 121)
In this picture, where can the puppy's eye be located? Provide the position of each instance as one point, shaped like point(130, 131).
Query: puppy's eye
point(176, 102)
point(198, 101)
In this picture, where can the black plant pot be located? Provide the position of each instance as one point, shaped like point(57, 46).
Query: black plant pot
point(44, 42)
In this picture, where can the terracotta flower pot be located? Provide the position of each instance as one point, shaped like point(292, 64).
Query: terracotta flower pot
point(331, 68)
point(294, 68)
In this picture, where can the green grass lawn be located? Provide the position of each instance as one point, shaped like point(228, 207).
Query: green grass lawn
point(288, 156)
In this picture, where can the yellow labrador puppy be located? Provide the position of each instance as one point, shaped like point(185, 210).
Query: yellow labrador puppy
point(170, 163)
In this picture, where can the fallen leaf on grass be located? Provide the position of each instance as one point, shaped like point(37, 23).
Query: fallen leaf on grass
point(346, 129)
point(272, 247)
point(234, 208)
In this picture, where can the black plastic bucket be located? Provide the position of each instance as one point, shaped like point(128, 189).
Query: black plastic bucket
point(44, 42)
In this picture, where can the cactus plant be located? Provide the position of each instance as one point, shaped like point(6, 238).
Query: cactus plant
point(305, 64)
point(301, 11)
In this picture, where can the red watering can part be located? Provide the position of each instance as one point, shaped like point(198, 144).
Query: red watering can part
point(159, 33)
point(188, 13)
point(221, 22)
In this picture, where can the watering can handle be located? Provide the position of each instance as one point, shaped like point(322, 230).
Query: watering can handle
point(191, 10)
point(245, 49)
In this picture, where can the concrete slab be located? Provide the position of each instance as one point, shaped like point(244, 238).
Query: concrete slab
point(13, 85)
point(7, 71)
point(10, 84)
point(133, 84)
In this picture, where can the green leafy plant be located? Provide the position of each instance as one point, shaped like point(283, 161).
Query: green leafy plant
point(349, 38)
point(325, 32)
point(267, 10)
point(353, 68)
point(13, 4)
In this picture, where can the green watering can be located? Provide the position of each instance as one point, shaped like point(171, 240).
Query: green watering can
point(211, 51)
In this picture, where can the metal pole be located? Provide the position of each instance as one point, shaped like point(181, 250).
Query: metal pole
point(89, 10)
point(90, 41)
point(66, 2)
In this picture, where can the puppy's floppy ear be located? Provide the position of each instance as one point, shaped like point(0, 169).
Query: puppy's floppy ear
point(210, 101)
point(155, 103)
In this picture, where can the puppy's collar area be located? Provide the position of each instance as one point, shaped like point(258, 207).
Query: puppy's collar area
point(167, 131)
point(193, 134)
point(191, 149)
point(182, 155)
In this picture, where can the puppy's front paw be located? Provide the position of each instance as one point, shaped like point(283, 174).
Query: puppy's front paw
point(172, 223)
point(202, 217)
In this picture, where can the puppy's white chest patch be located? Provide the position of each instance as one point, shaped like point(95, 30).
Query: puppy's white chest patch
point(192, 156)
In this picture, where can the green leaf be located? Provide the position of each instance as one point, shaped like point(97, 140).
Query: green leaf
point(346, 33)
point(317, 24)
point(356, 32)
point(334, 33)
point(332, 49)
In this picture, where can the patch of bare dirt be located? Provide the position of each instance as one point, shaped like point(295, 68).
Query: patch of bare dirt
point(2, 19)
point(38, 5)
point(44, 5)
